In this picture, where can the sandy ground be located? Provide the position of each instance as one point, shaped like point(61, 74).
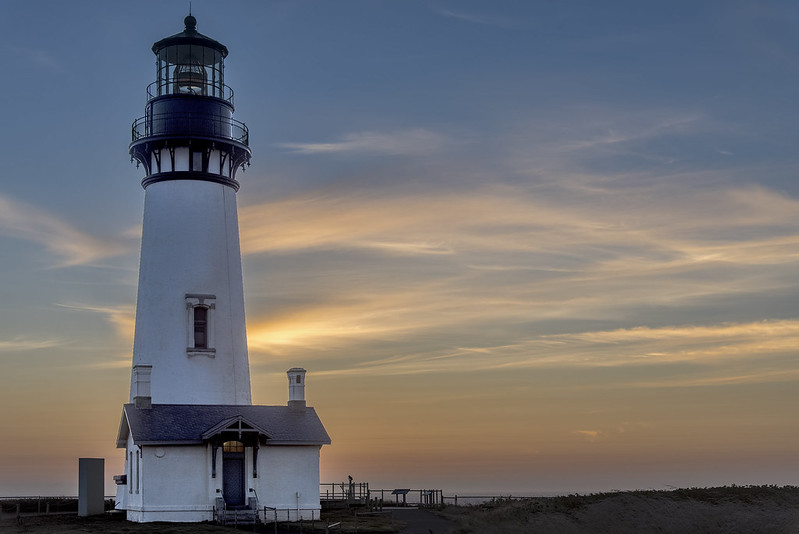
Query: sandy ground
point(760, 509)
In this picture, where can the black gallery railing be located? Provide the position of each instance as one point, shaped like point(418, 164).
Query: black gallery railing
point(202, 88)
point(191, 125)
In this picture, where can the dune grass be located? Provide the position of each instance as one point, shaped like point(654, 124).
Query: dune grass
point(731, 509)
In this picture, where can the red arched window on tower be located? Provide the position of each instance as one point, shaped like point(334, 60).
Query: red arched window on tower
point(200, 327)
point(200, 324)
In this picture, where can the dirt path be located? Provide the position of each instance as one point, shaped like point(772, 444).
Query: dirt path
point(422, 522)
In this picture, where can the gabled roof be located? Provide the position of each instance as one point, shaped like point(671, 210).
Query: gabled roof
point(242, 424)
point(187, 424)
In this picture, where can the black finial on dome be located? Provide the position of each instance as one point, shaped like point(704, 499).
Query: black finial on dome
point(190, 22)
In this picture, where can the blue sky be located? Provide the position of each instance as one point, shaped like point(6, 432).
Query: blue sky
point(519, 246)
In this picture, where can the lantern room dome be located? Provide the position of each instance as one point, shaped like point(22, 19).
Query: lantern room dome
point(190, 36)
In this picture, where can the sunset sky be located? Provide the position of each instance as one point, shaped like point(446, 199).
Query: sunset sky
point(520, 246)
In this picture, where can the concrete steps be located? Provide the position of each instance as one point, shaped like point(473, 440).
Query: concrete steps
point(237, 517)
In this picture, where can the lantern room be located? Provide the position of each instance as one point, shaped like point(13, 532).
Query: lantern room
point(190, 63)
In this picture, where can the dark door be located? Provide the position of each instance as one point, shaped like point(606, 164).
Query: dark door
point(233, 478)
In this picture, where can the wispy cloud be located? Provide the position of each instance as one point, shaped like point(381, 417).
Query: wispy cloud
point(122, 318)
point(719, 378)
point(634, 129)
point(70, 245)
point(121, 360)
point(761, 330)
point(614, 431)
point(624, 230)
point(417, 141)
point(488, 19)
point(590, 435)
point(715, 358)
point(586, 145)
point(39, 57)
point(539, 240)
point(24, 344)
point(501, 260)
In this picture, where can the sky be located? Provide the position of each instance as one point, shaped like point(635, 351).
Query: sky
point(522, 247)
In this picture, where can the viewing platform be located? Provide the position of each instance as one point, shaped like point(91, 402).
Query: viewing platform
point(340, 494)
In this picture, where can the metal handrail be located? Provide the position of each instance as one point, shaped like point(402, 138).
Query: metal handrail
point(289, 512)
point(190, 124)
point(343, 490)
point(156, 89)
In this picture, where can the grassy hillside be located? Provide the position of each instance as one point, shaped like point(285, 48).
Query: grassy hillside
point(731, 509)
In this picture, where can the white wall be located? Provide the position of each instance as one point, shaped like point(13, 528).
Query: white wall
point(121, 500)
point(190, 244)
point(282, 472)
point(176, 482)
point(132, 493)
point(175, 485)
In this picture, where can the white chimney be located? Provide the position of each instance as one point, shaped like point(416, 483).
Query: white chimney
point(141, 386)
point(296, 388)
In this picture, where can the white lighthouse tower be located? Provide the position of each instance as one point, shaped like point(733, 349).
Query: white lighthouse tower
point(196, 449)
point(190, 329)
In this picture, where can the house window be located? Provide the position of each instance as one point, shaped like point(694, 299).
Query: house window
point(299, 380)
point(200, 325)
point(138, 471)
point(233, 446)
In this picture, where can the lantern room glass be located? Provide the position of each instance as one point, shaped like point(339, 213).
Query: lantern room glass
point(190, 69)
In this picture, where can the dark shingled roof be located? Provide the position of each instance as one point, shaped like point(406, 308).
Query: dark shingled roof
point(187, 423)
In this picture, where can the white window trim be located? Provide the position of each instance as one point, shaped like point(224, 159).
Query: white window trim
point(206, 301)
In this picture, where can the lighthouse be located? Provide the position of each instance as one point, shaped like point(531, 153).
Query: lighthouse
point(190, 281)
point(196, 448)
